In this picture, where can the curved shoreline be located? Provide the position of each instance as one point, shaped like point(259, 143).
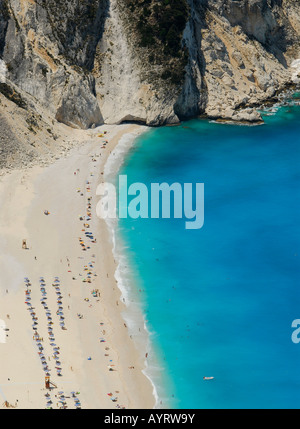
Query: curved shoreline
point(133, 313)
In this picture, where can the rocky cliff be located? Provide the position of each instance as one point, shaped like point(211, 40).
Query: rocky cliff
point(88, 62)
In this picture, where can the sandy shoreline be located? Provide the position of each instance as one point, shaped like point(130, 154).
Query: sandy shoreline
point(66, 320)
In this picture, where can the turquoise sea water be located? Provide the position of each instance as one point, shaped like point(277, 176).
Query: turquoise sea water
point(220, 301)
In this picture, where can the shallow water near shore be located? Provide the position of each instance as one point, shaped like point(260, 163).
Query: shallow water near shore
point(219, 301)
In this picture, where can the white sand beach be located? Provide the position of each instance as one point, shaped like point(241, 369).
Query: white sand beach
point(60, 303)
point(2, 332)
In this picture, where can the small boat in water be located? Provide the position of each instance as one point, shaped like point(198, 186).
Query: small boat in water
point(208, 378)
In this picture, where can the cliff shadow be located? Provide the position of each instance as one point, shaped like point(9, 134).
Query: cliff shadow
point(193, 99)
point(4, 17)
point(77, 28)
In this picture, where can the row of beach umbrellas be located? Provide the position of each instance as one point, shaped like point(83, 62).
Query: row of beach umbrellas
point(61, 398)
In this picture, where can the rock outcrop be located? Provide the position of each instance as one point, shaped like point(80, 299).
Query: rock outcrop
point(48, 48)
point(88, 62)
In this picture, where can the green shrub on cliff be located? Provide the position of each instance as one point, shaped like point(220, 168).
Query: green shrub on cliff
point(160, 25)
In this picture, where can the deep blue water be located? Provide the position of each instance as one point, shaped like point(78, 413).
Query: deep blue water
point(220, 301)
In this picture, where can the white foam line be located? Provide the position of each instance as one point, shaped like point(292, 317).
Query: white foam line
point(111, 168)
point(116, 158)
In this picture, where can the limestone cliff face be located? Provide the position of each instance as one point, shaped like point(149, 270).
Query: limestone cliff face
point(87, 62)
point(48, 47)
point(246, 51)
